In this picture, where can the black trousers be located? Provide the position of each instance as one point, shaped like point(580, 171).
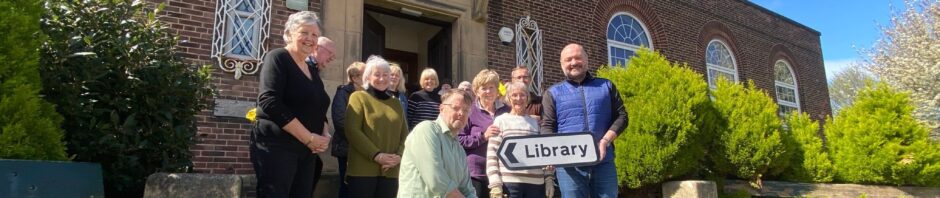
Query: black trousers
point(369, 187)
point(343, 188)
point(524, 190)
point(283, 172)
point(481, 185)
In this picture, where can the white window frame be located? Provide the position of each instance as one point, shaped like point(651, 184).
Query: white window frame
point(622, 45)
point(794, 87)
point(709, 66)
point(224, 38)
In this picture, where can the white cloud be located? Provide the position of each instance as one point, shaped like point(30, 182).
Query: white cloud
point(835, 66)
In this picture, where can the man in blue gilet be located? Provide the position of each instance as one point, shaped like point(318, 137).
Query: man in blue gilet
point(582, 103)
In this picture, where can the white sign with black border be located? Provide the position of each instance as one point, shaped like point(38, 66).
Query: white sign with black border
point(537, 151)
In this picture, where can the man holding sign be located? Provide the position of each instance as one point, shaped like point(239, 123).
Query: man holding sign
point(584, 103)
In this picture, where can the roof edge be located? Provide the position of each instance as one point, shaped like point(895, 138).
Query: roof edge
point(768, 11)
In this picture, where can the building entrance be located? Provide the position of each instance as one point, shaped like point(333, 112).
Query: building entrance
point(414, 42)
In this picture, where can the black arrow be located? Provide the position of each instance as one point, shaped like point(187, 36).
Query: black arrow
point(508, 152)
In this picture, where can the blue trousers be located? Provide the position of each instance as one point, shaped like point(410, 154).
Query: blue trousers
point(598, 181)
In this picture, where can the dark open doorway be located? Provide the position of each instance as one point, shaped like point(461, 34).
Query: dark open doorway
point(413, 42)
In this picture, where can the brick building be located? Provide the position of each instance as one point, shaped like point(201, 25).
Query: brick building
point(733, 38)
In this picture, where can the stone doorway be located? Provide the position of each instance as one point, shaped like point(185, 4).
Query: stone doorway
point(414, 42)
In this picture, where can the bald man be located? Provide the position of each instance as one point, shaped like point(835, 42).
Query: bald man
point(582, 103)
point(324, 54)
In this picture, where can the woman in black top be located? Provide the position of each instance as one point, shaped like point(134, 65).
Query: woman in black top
point(291, 123)
point(424, 104)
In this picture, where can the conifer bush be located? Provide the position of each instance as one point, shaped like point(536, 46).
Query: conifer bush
point(809, 159)
point(664, 102)
point(129, 100)
point(29, 125)
point(750, 141)
point(877, 140)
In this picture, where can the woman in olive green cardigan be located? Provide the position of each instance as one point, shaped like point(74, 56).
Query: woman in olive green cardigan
point(375, 130)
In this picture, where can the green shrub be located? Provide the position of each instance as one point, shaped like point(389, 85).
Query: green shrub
point(29, 126)
point(128, 98)
point(876, 140)
point(751, 141)
point(663, 101)
point(809, 160)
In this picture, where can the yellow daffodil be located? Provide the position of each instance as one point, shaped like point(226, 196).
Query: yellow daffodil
point(251, 115)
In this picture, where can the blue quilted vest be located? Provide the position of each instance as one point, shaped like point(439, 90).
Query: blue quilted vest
point(584, 107)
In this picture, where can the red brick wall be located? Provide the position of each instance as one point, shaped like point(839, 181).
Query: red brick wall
point(680, 30)
point(221, 142)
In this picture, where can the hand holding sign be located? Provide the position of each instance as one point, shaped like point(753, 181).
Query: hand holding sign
point(537, 151)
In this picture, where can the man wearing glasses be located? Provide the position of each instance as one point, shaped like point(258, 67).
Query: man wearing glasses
point(434, 163)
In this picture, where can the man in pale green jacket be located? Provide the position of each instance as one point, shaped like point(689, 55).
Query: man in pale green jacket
point(433, 163)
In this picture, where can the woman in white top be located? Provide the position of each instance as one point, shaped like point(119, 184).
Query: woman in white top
point(520, 183)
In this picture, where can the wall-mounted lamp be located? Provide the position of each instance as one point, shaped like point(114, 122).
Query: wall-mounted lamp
point(505, 35)
point(411, 12)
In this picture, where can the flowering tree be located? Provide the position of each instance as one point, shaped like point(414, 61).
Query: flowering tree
point(908, 58)
point(846, 84)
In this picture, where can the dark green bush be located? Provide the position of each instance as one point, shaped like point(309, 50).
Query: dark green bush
point(29, 126)
point(128, 99)
point(664, 101)
point(809, 159)
point(750, 142)
point(876, 140)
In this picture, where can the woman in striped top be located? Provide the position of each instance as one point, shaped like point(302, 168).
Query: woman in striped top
point(423, 104)
point(520, 183)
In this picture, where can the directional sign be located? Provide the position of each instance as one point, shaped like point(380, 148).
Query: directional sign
point(537, 151)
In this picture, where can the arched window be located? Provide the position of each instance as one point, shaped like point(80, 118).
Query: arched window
point(788, 97)
point(625, 35)
point(720, 62)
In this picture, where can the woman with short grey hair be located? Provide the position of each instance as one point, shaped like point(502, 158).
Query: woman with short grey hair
point(291, 126)
point(376, 133)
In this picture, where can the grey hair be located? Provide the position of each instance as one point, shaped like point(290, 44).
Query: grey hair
point(455, 92)
point(374, 62)
point(512, 86)
point(295, 20)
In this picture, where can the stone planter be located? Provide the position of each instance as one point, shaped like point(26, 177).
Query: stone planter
point(691, 188)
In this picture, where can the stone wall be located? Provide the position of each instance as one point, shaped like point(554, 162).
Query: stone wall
point(788, 189)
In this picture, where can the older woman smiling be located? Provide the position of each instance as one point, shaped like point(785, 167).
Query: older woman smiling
point(291, 122)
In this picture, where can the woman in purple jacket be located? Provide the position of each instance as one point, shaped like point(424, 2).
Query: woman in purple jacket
point(475, 135)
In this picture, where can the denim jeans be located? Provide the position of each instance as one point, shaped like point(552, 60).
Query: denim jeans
point(598, 181)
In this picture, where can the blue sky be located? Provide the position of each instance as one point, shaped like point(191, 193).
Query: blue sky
point(843, 24)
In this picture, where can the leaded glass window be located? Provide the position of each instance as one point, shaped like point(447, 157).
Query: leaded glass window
point(785, 86)
point(625, 35)
point(720, 63)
